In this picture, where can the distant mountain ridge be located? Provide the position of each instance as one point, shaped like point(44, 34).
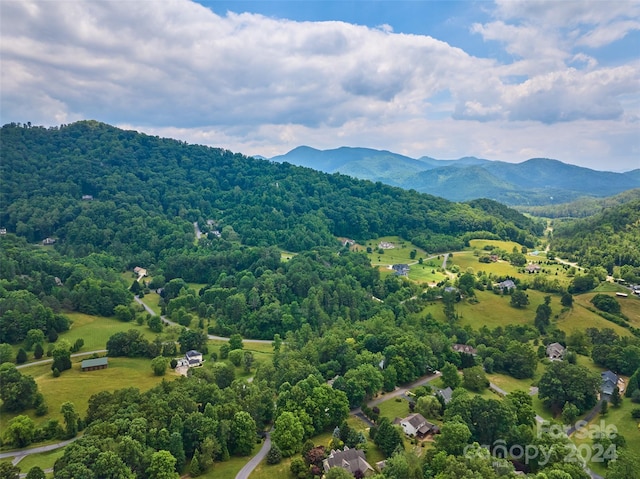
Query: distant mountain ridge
point(537, 181)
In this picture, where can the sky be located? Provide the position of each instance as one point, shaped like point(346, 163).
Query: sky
point(504, 80)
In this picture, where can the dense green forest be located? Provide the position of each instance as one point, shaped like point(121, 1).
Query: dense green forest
point(341, 331)
point(147, 191)
point(609, 239)
point(581, 208)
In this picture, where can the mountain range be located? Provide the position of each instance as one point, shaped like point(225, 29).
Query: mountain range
point(538, 181)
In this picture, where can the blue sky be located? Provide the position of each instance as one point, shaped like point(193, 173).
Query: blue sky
point(505, 79)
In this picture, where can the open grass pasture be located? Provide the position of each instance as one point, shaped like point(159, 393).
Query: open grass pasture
point(96, 330)
point(398, 254)
point(77, 386)
point(629, 306)
point(504, 245)
point(494, 310)
point(580, 318)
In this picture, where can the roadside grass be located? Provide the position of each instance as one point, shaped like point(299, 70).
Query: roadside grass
point(229, 469)
point(77, 386)
point(94, 330)
point(541, 410)
point(43, 460)
point(625, 426)
point(510, 384)
point(153, 301)
point(394, 407)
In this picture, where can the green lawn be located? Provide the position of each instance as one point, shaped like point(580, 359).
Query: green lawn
point(398, 254)
point(510, 384)
point(77, 386)
point(394, 407)
point(625, 425)
point(580, 318)
point(229, 469)
point(505, 245)
point(629, 306)
point(44, 460)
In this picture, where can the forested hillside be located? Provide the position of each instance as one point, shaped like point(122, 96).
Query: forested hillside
point(609, 239)
point(147, 191)
point(581, 208)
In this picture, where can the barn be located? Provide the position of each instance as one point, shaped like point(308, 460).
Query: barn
point(93, 364)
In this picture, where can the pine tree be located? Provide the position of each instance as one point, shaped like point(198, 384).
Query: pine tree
point(616, 399)
point(194, 469)
point(21, 357)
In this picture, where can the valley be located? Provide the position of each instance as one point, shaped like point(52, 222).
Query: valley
point(322, 308)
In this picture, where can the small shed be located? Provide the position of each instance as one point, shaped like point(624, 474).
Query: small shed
point(93, 364)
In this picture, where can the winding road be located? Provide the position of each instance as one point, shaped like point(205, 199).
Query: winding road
point(209, 336)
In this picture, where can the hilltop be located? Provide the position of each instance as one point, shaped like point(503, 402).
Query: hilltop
point(537, 181)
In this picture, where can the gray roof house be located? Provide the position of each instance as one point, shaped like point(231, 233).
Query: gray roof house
point(464, 348)
point(416, 425)
point(507, 284)
point(609, 383)
point(352, 460)
point(445, 394)
point(555, 351)
point(401, 269)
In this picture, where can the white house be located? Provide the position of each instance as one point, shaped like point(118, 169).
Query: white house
point(417, 425)
point(194, 358)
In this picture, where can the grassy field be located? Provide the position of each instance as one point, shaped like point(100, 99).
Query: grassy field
point(629, 306)
point(625, 425)
point(511, 384)
point(505, 245)
point(394, 407)
point(44, 460)
point(77, 386)
point(94, 330)
point(580, 318)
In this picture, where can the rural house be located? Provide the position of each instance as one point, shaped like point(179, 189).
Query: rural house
point(416, 425)
point(506, 284)
point(464, 348)
point(532, 268)
point(445, 394)
point(48, 241)
point(400, 269)
point(555, 351)
point(352, 460)
point(194, 358)
point(609, 383)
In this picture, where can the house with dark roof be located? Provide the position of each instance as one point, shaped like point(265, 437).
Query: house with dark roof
point(555, 351)
point(609, 383)
point(416, 425)
point(352, 460)
point(194, 358)
point(400, 269)
point(445, 394)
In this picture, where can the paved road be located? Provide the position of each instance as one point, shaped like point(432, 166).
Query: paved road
point(210, 336)
point(19, 454)
point(255, 460)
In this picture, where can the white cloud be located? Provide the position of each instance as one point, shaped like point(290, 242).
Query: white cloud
point(262, 85)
